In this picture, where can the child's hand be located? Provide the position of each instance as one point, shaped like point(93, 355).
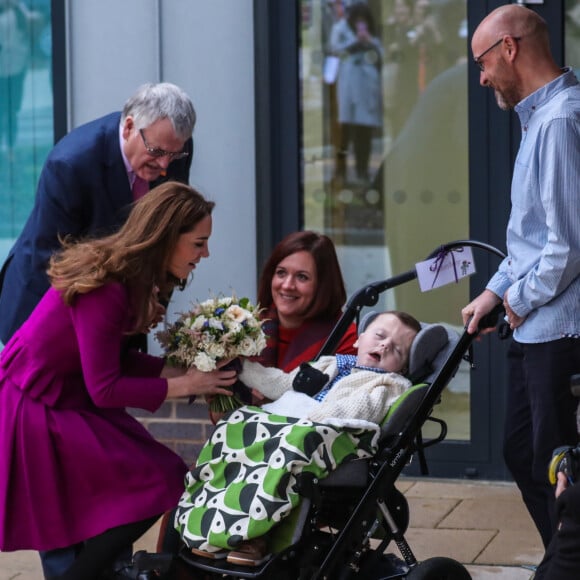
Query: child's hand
point(257, 398)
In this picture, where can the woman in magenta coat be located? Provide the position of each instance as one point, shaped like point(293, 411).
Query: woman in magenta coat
point(76, 469)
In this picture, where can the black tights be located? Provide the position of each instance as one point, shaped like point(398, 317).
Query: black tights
point(100, 552)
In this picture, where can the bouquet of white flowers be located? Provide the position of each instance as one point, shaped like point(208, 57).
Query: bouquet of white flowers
point(217, 329)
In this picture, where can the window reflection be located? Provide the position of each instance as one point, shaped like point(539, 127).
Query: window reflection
point(384, 87)
point(26, 126)
point(356, 52)
point(572, 38)
point(385, 144)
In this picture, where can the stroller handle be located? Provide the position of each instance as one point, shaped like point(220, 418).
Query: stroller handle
point(472, 243)
point(369, 295)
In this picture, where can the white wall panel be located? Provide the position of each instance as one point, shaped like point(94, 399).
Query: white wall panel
point(206, 47)
point(112, 49)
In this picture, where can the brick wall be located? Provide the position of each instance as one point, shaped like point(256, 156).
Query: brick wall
point(184, 428)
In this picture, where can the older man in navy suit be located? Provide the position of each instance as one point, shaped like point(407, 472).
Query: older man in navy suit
point(88, 182)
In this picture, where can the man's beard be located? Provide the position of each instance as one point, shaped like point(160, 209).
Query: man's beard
point(506, 100)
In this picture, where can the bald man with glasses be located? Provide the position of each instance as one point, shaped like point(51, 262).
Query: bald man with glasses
point(539, 281)
point(88, 183)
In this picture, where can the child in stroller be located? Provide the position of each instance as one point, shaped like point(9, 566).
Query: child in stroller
point(383, 349)
point(346, 521)
point(354, 392)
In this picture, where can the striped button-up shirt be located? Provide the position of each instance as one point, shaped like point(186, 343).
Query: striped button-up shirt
point(542, 269)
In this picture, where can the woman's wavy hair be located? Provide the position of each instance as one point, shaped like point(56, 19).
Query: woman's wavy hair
point(330, 294)
point(136, 256)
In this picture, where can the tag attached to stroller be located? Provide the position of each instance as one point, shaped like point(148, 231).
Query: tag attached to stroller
point(447, 267)
point(309, 380)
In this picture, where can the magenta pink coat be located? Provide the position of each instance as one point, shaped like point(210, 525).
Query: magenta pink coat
point(73, 461)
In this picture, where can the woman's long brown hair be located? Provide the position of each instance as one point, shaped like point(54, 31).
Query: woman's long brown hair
point(330, 294)
point(137, 256)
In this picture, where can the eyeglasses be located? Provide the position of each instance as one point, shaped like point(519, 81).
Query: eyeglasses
point(157, 152)
point(477, 59)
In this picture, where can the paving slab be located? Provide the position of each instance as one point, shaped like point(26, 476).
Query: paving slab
point(461, 545)
point(498, 573)
point(430, 512)
point(23, 565)
point(481, 524)
point(403, 485)
point(463, 489)
point(489, 514)
point(508, 547)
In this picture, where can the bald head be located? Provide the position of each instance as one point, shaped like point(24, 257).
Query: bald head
point(512, 47)
point(513, 19)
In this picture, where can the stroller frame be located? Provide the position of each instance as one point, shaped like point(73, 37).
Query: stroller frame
point(319, 555)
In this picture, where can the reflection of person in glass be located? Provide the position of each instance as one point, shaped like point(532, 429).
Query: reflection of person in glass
point(428, 39)
point(359, 86)
point(402, 65)
point(15, 20)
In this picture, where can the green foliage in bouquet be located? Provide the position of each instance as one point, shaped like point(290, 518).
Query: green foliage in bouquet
point(217, 329)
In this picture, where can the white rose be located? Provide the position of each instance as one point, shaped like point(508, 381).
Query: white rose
point(199, 322)
point(216, 350)
point(237, 313)
point(252, 322)
point(204, 362)
point(216, 323)
point(247, 347)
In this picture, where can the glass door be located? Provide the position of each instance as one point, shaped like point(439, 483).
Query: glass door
point(385, 149)
point(403, 151)
point(572, 35)
point(26, 109)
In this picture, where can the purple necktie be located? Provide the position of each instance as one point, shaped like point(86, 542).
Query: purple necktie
point(140, 187)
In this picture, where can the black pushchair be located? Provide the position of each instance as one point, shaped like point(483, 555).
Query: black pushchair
point(347, 520)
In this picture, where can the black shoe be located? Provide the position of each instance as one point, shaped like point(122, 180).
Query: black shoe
point(143, 566)
point(122, 569)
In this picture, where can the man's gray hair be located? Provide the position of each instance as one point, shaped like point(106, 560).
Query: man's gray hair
point(155, 101)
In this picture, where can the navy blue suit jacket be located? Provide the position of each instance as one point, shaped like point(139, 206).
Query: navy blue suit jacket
point(83, 190)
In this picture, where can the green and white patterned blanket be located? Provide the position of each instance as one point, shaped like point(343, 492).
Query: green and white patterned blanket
point(244, 480)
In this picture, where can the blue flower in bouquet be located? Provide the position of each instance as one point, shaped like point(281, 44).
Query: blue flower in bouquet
point(217, 329)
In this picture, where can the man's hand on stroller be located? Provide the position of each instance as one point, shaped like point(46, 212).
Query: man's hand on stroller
point(477, 309)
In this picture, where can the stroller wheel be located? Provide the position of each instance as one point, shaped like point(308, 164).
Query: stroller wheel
point(439, 568)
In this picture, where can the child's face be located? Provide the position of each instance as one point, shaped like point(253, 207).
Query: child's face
point(385, 344)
